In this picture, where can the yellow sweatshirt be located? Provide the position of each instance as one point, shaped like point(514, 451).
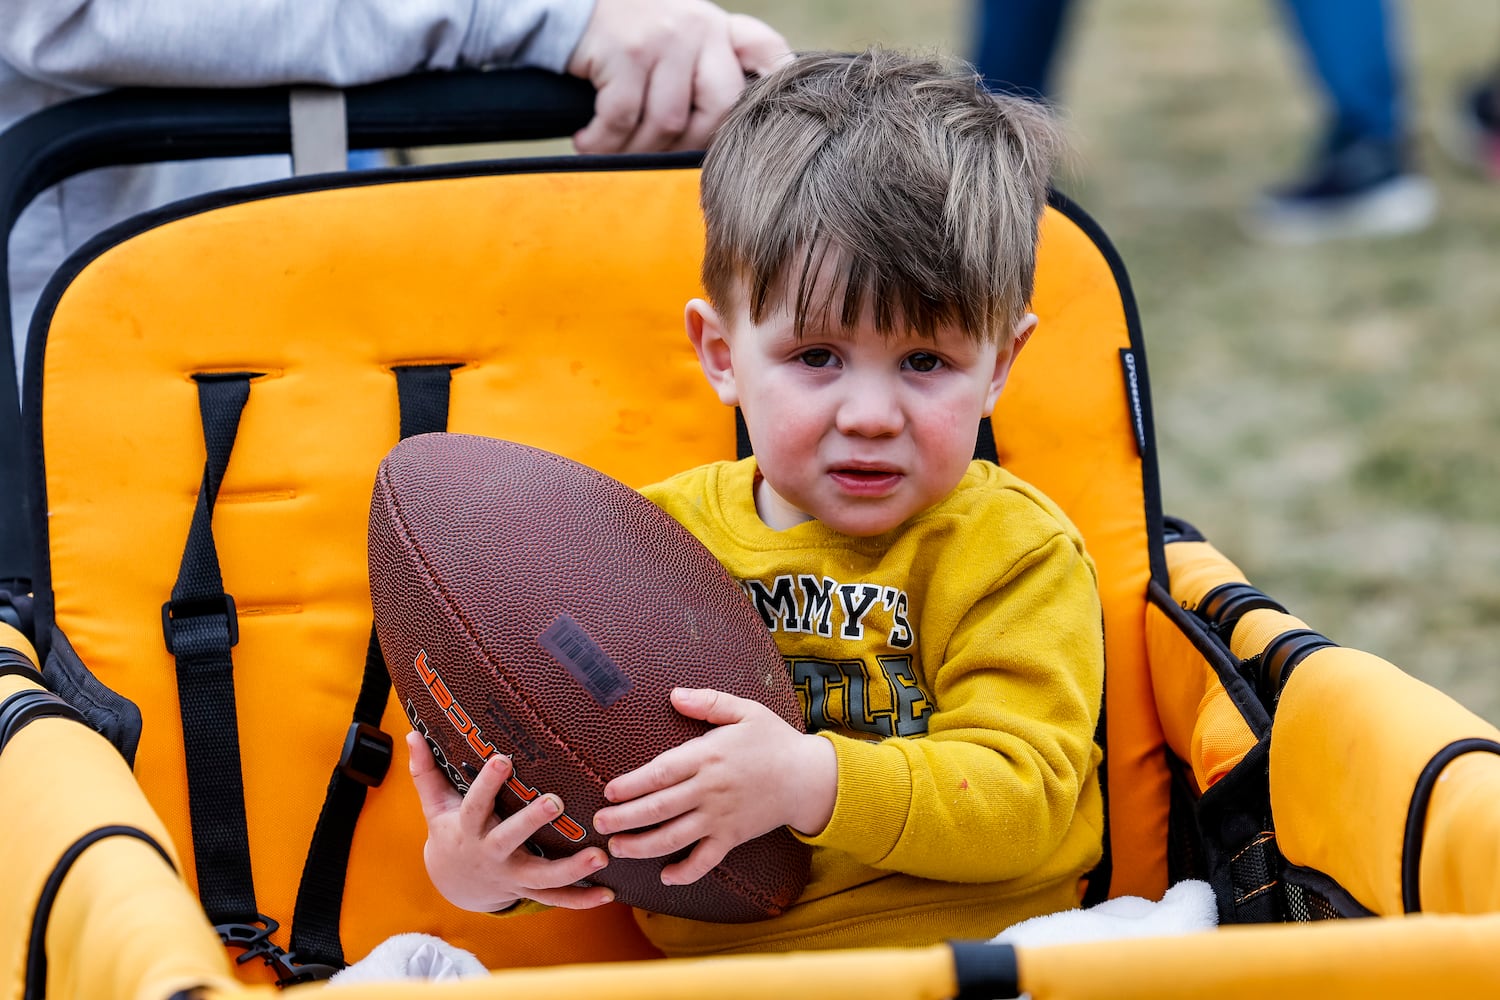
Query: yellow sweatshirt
point(956, 663)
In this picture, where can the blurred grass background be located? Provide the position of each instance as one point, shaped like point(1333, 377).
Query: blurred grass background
point(1326, 415)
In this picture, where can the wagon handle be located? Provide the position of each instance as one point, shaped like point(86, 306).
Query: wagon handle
point(151, 125)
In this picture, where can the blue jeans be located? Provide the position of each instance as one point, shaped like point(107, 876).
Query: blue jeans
point(1349, 44)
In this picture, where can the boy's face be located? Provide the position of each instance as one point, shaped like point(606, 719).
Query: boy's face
point(856, 428)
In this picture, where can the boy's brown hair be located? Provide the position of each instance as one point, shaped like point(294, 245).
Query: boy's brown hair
point(878, 178)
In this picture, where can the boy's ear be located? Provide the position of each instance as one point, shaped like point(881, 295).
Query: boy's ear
point(705, 329)
point(1006, 356)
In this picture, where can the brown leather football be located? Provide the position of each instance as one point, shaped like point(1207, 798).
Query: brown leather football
point(533, 606)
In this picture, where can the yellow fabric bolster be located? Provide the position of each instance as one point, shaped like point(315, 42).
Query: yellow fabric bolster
point(123, 922)
point(11, 638)
point(858, 974)
point(1221, 737)
point(1460, 868)
point(1424, 956)
point(1202, 724)
point(1258, 628)
point(1342, 775)
point(1195, 568)
point(125, 925)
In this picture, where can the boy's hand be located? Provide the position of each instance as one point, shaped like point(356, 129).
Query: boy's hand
point(481, 863)
point(752, 774)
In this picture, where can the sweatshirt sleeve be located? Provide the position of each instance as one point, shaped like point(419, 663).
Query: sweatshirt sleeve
point(993, 789)
point(87, 44)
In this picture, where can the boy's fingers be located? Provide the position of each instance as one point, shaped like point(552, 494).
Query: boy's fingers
point(478, 809)
point(672, 767)
point(573, 897)
point(658, 842)
point(541, 874)
point(511, 834)
point(699, 863)
point(717, 707)
point(435, 792)
point(646, 811)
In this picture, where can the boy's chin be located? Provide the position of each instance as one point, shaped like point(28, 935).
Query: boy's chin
point(864, 522)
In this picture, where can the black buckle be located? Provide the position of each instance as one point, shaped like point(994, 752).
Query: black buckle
point(255, 938)
point(367, 754)
point(199, 607)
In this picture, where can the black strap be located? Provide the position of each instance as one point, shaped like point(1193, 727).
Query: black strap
point(1416, 814)
point(27, 706)
point(200, 627)
point(985, 971)
point(423, 391)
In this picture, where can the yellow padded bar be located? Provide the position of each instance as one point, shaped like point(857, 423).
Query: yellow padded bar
point(1351, 737)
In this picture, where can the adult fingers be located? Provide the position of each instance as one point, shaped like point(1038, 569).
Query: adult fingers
point(618, 105)
point(718, 81)
point(759, 47)
point(434, 790)
point(668, 105)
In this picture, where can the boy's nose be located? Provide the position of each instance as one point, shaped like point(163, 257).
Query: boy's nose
point(867, 411)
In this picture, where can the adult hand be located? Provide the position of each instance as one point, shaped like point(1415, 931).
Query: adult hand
point(479, 862)
point(750, 775)
point(666, 71)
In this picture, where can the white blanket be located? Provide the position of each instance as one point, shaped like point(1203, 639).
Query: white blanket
point(1188, 906)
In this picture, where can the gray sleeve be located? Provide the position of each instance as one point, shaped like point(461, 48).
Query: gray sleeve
point(229, 43)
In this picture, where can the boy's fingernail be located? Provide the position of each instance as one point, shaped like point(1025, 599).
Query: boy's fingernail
point(598, 861)
point(551, 804)
point(607, 896)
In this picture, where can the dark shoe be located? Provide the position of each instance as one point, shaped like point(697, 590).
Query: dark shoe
point(1472, 139)
point(1359, 188)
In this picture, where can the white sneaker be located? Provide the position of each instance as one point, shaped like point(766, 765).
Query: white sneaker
point(1359, 189)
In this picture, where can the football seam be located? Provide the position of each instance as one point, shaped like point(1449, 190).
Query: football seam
point(719, 874)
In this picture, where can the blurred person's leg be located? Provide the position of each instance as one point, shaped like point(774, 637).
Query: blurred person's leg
point(1349, 44)
point(1361, 180)
point(1016, 43)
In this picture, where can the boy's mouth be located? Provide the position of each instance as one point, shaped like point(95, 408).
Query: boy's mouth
point(863, 481)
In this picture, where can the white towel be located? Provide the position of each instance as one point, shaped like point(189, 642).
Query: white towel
point(411, 956)
point(1188, 906)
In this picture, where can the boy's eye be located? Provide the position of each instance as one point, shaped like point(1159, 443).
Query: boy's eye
point(816, 357)
point(922, 361)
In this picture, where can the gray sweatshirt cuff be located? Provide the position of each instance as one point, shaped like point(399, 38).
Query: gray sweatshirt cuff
point(541, 33)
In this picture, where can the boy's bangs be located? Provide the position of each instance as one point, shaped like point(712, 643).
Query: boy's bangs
point(828, 288)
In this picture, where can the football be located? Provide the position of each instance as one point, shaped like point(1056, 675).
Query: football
point(527, 604)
